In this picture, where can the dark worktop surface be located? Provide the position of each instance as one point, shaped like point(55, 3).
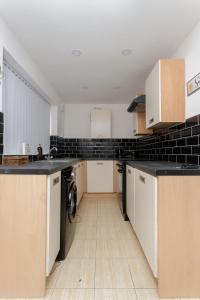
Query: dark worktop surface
point(42, 167)
point(162, 168)
point(47, 167)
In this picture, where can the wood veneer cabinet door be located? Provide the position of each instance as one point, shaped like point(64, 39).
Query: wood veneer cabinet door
point(179, 236)
point(165, 93)
point(139, 124)
point(23, 211)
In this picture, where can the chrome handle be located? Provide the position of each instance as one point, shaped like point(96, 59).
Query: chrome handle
point(129, 171)
point(151, 120)
point(142, 178)
point(99, 163)
point(56, 180)
point(134, 131)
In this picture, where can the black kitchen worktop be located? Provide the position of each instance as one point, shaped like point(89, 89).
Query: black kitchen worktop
point(162, 168)
point(155, 168)
point(42, 167)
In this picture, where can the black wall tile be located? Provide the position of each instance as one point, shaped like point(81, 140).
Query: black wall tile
point(92, 148)
point(180, 143)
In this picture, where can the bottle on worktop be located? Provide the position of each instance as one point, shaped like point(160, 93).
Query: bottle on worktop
point(40, 152)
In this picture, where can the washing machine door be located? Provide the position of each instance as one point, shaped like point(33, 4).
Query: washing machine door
point(72, 202)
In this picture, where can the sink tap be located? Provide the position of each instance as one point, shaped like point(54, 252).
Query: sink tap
point(50, 151)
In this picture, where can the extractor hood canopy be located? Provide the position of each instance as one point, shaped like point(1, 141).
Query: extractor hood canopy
point(138, 104)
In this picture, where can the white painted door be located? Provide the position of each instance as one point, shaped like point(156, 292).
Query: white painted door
point(145, 223)
point(153, 97)
point(101, 123)
point(79, 181)
point(53, 219)
point(135, 124)
point(100, 176)
point(130, 182)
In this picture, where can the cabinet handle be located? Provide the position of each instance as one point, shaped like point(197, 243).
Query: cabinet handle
point(151, 120)
point(142, 178)
point(129, 171)
point(134, 131)
point(99, 163)
point(56, 180)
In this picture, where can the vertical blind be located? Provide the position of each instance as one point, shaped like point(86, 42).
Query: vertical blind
point(26, 114)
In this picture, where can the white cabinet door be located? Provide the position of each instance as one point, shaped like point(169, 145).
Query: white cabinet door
point(145, 223)
point(130, 182)
point(53, 219)
point(79, 180)
point(101, 123)
point(57, 120)
point(135, 122)
point(153, 97)
point(100, 176)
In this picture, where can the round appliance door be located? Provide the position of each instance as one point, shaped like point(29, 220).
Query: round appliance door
point(72, 202)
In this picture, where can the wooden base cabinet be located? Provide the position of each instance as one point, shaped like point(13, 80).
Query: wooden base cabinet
point(23, 215)
point(178, 236)
point(29, 231)
point(100, 176)
point(145, 223)
point(166, 220)
point(130, 194)
point(53, 219)
point(79, 170)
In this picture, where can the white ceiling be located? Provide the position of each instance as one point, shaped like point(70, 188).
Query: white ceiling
point(101, 29)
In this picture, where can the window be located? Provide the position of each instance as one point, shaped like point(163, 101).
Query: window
point(26, 114)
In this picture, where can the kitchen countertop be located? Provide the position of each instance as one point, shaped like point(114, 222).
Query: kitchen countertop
point(162, 168)
point(42, 167)
point(47, 167)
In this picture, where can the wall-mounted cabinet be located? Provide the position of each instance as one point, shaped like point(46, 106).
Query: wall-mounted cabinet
point(100, 123)
point(57, 120)
point(139, 124)
point(165, 93)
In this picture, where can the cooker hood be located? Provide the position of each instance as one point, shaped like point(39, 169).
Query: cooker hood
point(138, 104)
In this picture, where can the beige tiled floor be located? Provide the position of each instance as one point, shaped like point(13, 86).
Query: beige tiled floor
point(105, 261)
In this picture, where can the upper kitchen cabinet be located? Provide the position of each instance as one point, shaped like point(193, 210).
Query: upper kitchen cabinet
point(57, 120)
point(100, 123)
point(165, 93)
point(139, 124)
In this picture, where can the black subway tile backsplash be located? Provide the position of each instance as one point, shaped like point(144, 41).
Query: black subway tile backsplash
point(179, 143)
point(91, 148)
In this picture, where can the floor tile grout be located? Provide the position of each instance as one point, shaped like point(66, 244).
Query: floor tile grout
point(99, 207)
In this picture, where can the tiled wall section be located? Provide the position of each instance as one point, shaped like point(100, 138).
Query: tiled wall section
point(1, 135)
point(179, 143)
point(91, 148)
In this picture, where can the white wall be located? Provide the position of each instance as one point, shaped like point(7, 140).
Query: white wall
point(12, 45)
point(190, 51)
point(77, 120)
